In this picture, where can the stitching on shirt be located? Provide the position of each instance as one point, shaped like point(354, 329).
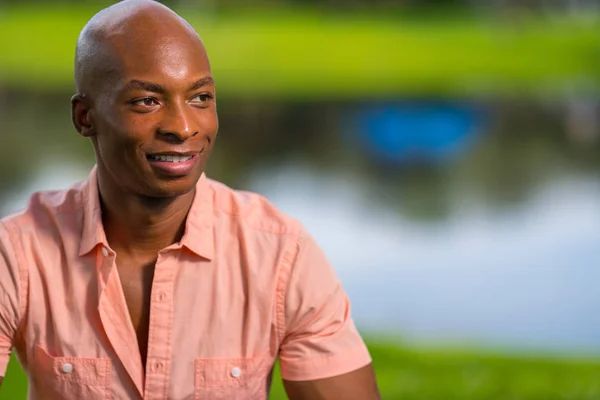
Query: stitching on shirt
point(352, 359)
point(293, 227)
point(285, 225)
point(255, 368)
point(169, 344)
point(23, 279)
point(290, 256)
point(112, 316)
point(107, 379)
point(359, 349)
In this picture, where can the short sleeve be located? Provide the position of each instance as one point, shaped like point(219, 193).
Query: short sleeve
point(9, 297)
point(320, 339)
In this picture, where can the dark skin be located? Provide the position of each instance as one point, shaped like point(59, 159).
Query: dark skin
point(145, 88)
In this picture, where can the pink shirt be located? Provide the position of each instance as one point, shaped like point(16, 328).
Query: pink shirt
point(246, 285)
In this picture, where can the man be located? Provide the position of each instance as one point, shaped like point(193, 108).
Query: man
point(149, 280)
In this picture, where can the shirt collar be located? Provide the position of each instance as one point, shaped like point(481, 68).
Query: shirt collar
point(198, 236)
point(93, 230)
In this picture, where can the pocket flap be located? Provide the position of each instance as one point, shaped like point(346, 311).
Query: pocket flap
point(85, 370)
point(229, 371)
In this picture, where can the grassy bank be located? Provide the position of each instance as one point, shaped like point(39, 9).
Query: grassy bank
point(422, 374)
point(301, 53)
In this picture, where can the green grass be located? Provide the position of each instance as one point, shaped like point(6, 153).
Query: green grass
point(302, 53)
point(426, 374)
point(14, 385)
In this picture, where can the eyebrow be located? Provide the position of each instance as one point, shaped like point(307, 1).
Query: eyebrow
point(156, 88)
point(143, 85)
point(202, 82)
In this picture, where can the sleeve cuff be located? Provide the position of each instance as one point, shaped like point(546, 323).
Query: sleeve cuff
point(3, 365)
point(5, 351)
point(326, 366)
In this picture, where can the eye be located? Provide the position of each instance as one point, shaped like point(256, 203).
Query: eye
point(202, 98)
point(145, 102)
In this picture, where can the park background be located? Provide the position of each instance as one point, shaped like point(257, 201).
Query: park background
point(445, 154)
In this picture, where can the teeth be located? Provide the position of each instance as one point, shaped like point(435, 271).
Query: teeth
point(175, 159)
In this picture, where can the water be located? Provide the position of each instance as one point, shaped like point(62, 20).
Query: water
point(497, 246)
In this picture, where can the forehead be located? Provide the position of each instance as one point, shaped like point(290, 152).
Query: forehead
point(166, 57)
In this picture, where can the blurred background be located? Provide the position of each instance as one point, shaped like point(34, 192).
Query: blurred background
point(444, 153)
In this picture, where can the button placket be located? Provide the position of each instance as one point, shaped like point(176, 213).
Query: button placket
point(157, 366)
point(160, 329)
point(114, 316)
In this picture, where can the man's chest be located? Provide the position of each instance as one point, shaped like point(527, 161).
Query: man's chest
point(202, 326)
point(136, 279)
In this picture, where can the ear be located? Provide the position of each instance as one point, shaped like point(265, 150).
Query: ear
point(81, 115)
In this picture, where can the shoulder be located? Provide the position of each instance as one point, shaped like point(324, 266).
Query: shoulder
point(44, 209)
point(253, 210)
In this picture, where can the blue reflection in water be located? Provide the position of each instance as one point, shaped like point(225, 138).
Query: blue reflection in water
point(431, 132)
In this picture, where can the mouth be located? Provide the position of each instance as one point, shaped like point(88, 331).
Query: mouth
point(174, 164)
point(170, 158)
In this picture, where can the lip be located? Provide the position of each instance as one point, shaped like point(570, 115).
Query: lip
point(175, 169)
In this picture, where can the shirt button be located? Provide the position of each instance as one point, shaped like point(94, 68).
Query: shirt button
point(67, 368)
point(104, 252)
point(162, 296)
point(236, 372)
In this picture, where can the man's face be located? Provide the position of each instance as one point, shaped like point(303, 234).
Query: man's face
point(155, 120)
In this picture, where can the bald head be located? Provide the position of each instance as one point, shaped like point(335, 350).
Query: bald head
point(125, 33)
point(145, 89)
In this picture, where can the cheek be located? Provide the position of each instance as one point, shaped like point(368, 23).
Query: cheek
point(118, 138)
point(210, 124)
point(131, 128)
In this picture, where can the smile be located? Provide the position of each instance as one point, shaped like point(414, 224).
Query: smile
point(172, 159)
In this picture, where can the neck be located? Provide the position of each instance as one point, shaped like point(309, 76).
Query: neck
point(141, 226)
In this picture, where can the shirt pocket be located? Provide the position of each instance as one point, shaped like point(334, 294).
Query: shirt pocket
point(232, 378)
point(70, 377)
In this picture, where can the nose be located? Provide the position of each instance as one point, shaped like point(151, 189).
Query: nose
point(178, 123)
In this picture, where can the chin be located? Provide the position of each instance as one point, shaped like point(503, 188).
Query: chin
point(171, 189)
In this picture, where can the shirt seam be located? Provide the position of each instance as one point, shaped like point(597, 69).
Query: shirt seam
point(284, 231)
point(23, 294)
point(290, 257)
point(323, 358)
point(359, 355)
